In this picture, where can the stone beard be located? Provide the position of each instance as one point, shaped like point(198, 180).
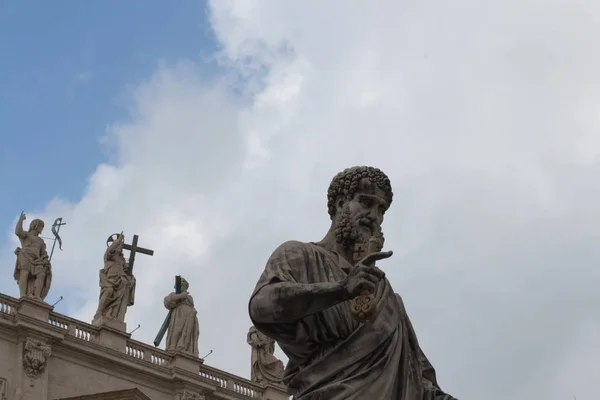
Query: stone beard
point(347, 231)
point(302, 301)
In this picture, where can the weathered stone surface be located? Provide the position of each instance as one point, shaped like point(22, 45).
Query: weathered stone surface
point(35, 357)
point(3, 388)
point(340, 348)
point(187, 395)
point(82, 365)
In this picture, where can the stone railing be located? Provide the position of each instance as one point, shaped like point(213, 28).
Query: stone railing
point(142, 351)
point(8, 305)
point(157, 358)
point(75, 328)
point(231, 382)
point(221, 379)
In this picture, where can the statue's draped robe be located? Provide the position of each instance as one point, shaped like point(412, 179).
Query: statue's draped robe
point(184, 329)
point(333, 357)
point(33, 257)
point(117, 289)
point(265, 367)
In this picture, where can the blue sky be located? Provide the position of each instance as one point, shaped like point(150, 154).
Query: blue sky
point(65, 70)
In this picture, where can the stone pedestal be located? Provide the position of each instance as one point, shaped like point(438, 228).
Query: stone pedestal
point(186, 362)
point(34, 308)
point(111, 323)
point(113, 334)
point(274, 392)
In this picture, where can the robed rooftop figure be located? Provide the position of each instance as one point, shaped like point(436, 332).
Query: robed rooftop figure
point(117, 286)
point(302, 300)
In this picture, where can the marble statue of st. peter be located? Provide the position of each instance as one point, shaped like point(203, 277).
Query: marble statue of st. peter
point(303, 298)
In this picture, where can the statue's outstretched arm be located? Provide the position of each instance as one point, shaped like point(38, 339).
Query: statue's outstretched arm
point(19, 231)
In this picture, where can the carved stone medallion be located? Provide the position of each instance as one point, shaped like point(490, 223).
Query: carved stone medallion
point(35, 357)
point(187, 395)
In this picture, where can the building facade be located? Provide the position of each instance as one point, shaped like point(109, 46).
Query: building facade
point(48, 356)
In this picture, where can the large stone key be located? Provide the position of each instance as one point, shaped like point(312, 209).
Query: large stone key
point(363, 307)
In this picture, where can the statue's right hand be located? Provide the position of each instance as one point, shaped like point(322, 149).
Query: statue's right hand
point(22, 217)
point(364, 277)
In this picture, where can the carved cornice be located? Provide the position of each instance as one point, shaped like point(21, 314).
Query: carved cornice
point(35, 357)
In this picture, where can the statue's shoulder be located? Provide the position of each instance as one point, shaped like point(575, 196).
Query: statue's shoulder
point(294, 244)
point(292, 247)
point(292, 251)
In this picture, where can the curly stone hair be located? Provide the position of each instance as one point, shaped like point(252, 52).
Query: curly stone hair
point(345, 184)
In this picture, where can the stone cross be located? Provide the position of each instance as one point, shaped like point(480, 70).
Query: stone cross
point(133, 249)
point(360, 251)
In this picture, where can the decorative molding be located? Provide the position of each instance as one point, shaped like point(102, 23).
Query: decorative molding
point(128, 394)
point(187, 395)
point(35, 357)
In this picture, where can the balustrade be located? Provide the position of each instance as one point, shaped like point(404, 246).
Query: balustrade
point(157, 357)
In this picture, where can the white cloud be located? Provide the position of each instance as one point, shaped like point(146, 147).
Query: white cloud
point(485, 117)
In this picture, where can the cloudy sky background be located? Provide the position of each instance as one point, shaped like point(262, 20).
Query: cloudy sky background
point(213, 130)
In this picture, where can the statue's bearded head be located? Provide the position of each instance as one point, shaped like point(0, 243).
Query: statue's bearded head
point(357, 200)
point(36, 226)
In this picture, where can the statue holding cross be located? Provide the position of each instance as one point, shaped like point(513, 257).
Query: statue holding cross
point(117, 282)
point(181, 321)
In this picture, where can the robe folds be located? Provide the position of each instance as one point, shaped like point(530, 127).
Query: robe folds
point(184, 328)
point(117, 291)
point(332, 356)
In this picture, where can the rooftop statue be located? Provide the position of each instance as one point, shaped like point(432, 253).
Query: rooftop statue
point(265, 367)
point(117, 285)
point(33, 271)
point(183, 331)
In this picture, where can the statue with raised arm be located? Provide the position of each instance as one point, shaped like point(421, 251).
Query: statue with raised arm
point(183, 325)
point(33, 271)
point(264, 366)
point(345, 331)
point(117, 286)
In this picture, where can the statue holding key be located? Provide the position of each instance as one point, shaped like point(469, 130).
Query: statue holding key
point(334, 314)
